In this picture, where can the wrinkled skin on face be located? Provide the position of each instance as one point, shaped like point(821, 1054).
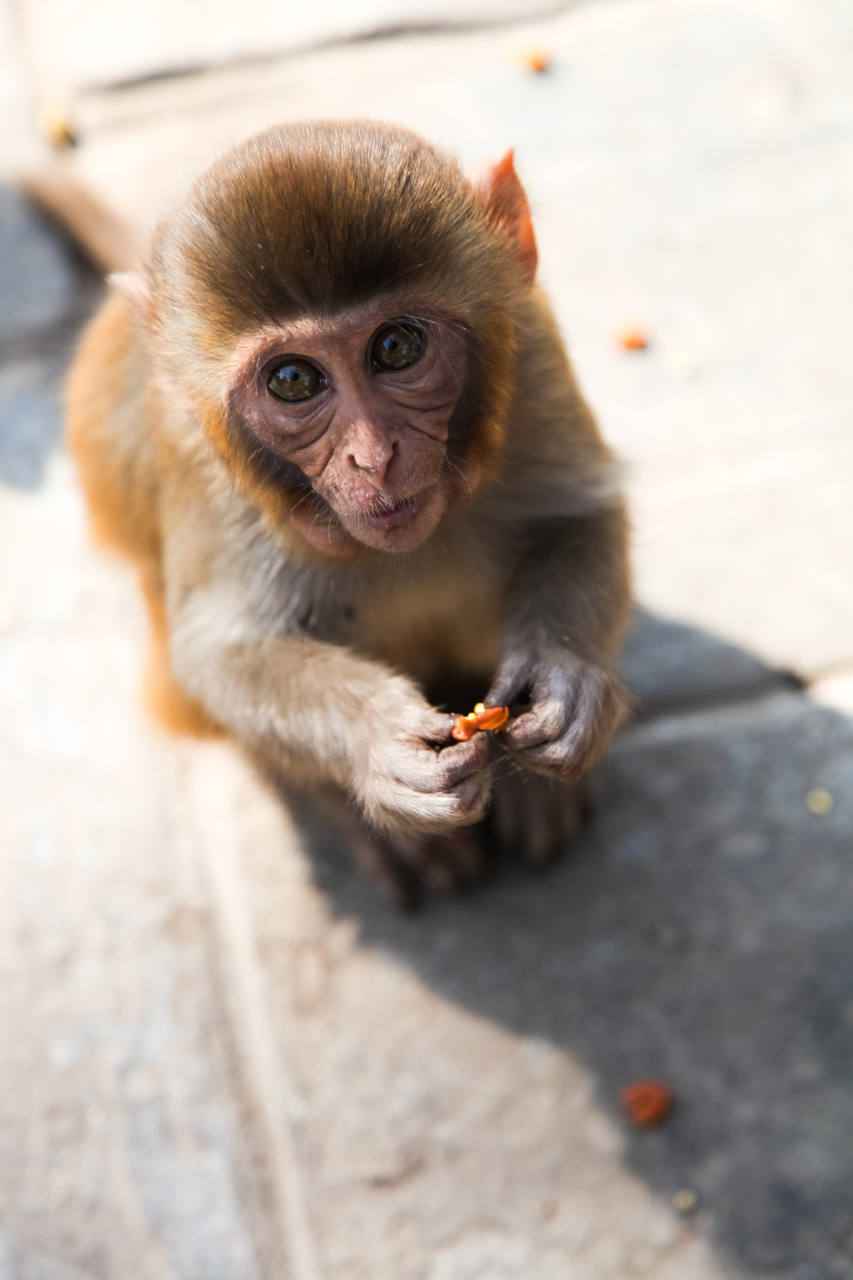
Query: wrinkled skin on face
point(370, 440)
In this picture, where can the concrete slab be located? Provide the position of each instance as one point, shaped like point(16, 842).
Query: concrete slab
point(689, 167)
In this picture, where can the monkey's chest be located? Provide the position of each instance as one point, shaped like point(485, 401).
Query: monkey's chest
point(441, 624)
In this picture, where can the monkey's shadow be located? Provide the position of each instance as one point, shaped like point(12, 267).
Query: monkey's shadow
point(701, 931)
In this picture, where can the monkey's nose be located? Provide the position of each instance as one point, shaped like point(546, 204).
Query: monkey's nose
point(373, 456)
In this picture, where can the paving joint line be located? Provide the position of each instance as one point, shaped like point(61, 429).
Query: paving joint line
point(373, 35)
point(716, 699)
point(264, 1073)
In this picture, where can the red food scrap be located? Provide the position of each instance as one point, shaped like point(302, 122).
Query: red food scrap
point(535, 59)
point(633, 338)
point(647, 1102)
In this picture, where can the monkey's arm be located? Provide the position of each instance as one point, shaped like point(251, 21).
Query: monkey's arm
point(317, 710)
point(566, 609)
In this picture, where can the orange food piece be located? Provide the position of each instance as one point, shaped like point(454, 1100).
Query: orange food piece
point(633, 339)
point(465, 728)
point(490, 717)
point(647, 1102)
point(481, 718)
point(535, 60)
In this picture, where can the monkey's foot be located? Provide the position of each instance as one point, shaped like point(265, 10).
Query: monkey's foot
point(402, 867)
point(531, 817)
point(535, 818)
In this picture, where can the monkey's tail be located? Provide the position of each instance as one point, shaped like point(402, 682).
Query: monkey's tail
point(110, 243)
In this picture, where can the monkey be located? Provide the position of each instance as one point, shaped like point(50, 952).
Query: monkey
point(331, 419)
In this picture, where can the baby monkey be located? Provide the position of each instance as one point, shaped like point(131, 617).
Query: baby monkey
point(332, 421)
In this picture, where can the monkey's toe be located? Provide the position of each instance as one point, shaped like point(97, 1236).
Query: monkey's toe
point(535, 818)
point(453, 862)
point(402, 867)
point(532, 818)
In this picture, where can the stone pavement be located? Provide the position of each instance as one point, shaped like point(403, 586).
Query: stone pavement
point(222, 1058)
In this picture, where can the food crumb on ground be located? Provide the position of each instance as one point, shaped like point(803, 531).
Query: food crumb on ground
point(648, 1102)
point(819, 802)
point(633, 338)
point(534, 58)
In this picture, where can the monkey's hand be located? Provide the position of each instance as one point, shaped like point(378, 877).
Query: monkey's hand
point(406, 783)
point(577, 707)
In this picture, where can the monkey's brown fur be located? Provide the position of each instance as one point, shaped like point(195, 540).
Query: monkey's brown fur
point(314, 659)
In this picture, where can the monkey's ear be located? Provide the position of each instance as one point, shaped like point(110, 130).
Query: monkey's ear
point(498, 186)
point(136, 289)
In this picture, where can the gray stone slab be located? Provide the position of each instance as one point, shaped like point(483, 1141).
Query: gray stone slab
point(700, 934)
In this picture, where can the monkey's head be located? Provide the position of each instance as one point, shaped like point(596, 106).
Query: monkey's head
point(339, 304)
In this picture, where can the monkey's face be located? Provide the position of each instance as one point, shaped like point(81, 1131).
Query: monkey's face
point(361, 403)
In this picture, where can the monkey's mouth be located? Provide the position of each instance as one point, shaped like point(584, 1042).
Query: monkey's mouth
point(395, 524)
point(391, 515)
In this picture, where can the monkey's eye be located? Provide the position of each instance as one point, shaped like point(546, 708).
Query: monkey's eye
point(397, 346)
point(295, 380)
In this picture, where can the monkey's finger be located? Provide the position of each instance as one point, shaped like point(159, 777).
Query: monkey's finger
point(466, 803)
point(405, 796)
point(572, 753)
point(593, 699)
point(436, 811)
point(462, 760)
point(509, 682)
point(544, 723)
point(557, 758)
point(434, 773)
point(452, 861)
point(383, 858)
point(526, 731)
point(436, 729)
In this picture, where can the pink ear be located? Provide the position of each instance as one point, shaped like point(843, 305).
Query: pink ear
point(498, 185)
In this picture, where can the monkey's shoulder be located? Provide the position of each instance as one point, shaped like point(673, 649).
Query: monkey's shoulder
point(108, 413)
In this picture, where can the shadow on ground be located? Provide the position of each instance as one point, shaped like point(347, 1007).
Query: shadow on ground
point(699, 932)
point(47, 291)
